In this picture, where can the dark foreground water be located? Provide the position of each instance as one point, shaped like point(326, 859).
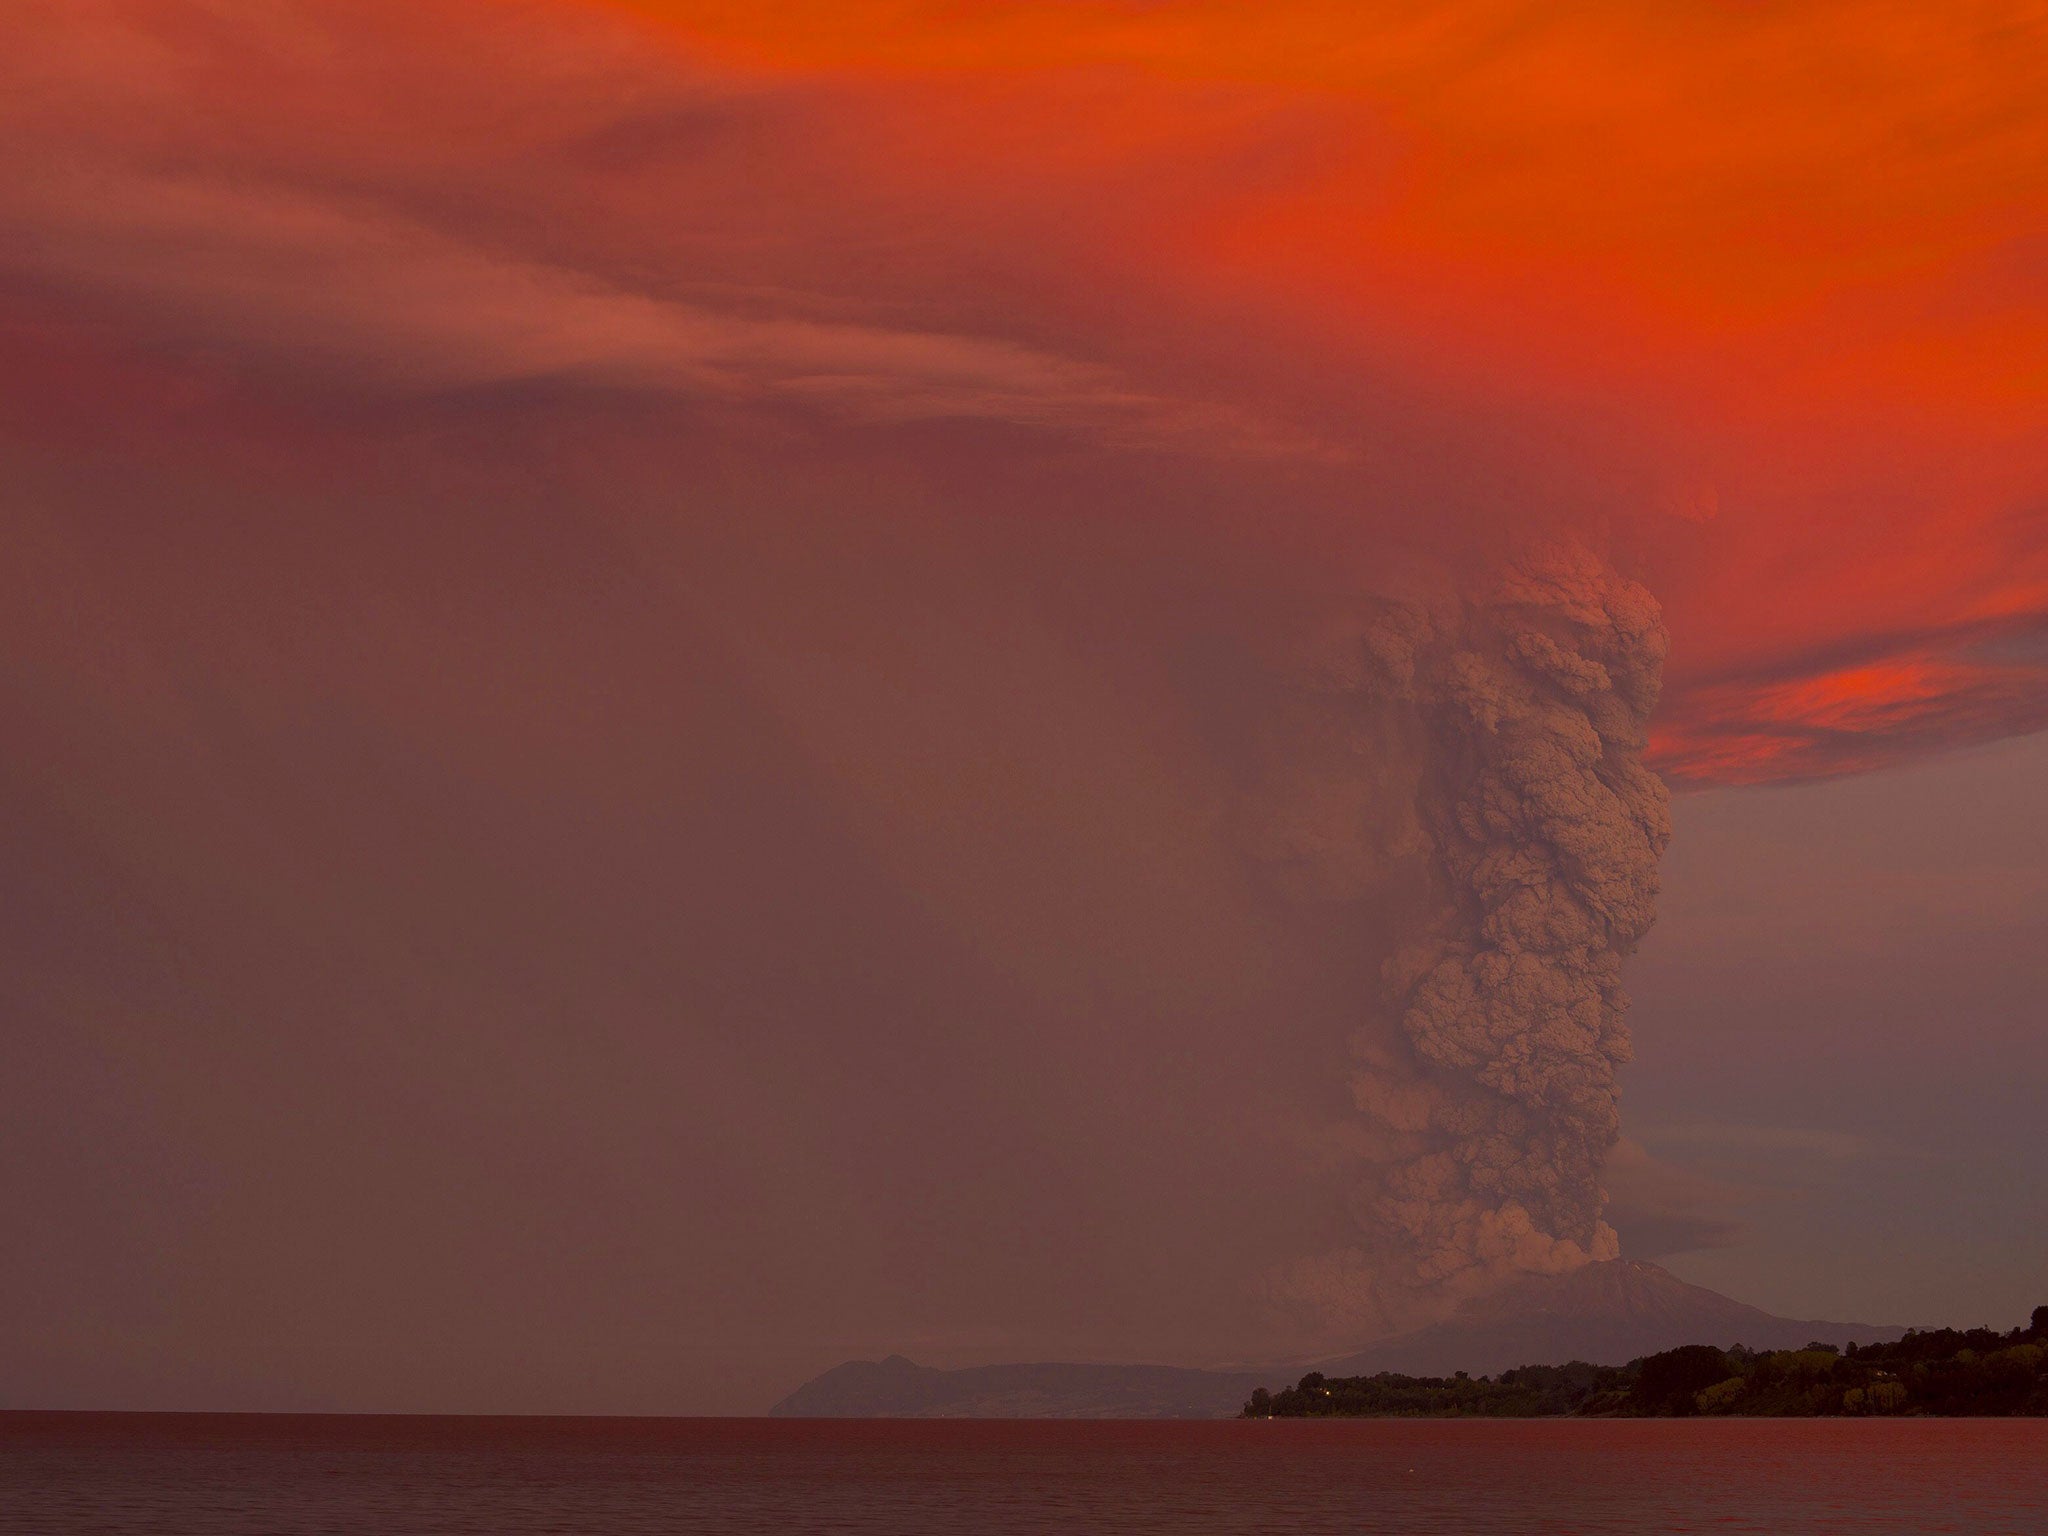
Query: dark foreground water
point(198, 1475)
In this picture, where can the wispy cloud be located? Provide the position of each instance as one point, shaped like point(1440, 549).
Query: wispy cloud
point(1836, 715)
point(324, 283)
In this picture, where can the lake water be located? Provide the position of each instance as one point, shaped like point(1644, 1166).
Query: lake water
point(198, 1475)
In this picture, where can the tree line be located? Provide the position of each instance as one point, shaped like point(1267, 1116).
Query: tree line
point(1976, 1372)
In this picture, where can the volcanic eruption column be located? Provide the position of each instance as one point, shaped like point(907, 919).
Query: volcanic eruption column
point(1487, 1080)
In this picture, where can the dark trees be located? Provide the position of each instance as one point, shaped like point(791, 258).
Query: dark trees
point(1669, 1382)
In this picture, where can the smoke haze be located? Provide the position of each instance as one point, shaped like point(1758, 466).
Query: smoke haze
point(711, 701)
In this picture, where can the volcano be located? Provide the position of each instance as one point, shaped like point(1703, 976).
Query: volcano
point(1607, 1313)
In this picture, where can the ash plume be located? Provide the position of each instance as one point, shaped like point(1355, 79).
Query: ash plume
point(1497, 733)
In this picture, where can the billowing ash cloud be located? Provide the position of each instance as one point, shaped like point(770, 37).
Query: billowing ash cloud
point(1497, 733)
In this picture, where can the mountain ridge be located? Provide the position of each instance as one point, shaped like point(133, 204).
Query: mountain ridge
point(1607, 1313)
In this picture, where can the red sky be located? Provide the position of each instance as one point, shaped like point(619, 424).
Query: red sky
point(1801, 247)
point(1765, 280)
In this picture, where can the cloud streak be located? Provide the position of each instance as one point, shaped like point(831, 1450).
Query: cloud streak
point(1831, 718)
point(395, 305)
point(307, 270)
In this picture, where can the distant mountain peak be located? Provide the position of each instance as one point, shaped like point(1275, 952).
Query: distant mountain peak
point(1610, 1288)
point(1608, 1313)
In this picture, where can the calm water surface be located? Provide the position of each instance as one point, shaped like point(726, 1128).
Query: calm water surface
point(202, 1474)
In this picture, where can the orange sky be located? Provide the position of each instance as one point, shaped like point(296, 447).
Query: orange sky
point(1812, 238)
point(1791, 257)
